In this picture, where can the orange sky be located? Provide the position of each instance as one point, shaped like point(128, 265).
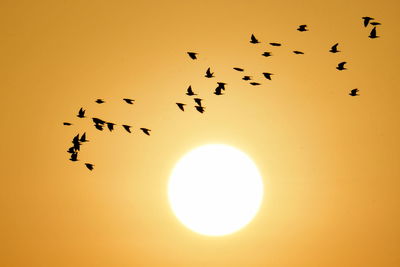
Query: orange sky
point(330, 162)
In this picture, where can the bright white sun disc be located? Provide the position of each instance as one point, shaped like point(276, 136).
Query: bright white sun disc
point(215, 190)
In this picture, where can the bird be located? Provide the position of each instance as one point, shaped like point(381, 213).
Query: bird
point(302, 28)
point(74, 156)
point(128, 100)
point(340, 66)
point(255, 83)
point(353, 92)
point(145, 130)
point(89, 166)
point(83, 138)
point(198, 101)
point(253, 39)
point(181, 106)
point(71, 150)
point(192, 55)
point(81, 113)
point(334, 48)
point(238, 69)
point(99, 101)
point(98, 121)
point(110, 126)
point(275, 44)
point(200, 108)
point(246, 78)
point(267, 75)
point(367, 20)
point(99, 126)
point(298, 52)
point(67, 123)
point(190, 91)
point(373, 35)
point(76, 142)
point(209, 74)
point(127, 128)
point(221, 85)
point(375, 23)
point(218, 91)
point(266, 54)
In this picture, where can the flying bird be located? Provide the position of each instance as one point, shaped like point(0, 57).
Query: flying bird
point(221, 85)
point(89, 166)
point(192, 55)
point(209, 74)
point(76, 142)
point(275, 44)
point(67, 123)
point(253, 39)
point(375, 23)
point(298, 52)
point(238, 69)
point(367, 20)
point(302, 28)
point(81, 113)
point(267, 75)
point(128, 100)
point(110, 126)
point(198, 101)
point(145, 130)
point(99, 101)
point(373, 35)
point(127, 128)
point(200, 108)
point(83, 138)
point(266, 54)
point(354, 92)
point(334, 48)
point(71, 150)
point(218, 91)
point(246, 78)
point(340, 66)
point(74, 156)
point(99, 126)
point(98, 121)
point(190, 91)
point(181, 106)
point(255, 83)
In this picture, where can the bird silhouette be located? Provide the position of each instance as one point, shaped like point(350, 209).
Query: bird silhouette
point(110, 126)
point(267, 75)
point(373, 35)
point(81, 113)
point(238, 69)
point(192, 55)
point(71, 150)
point(367, 20)
point(99, 127)
point(266, 54)
point(127, 128)
point(128, 100)
point(221, 85)
point(218, 91)
point(181, 106)
point(340, 66)
point(76, 142)
point(99, 101)
point(298, 52)
point(67, 123)
point(253, 39)
point(275, 44)
point(200, 108)
point(89, 166)
point(302, 28)
point(375, 23)
point(98, 121)
point(209, 74)
point(334, 48)
point(246, 78)
point(190, 91)
point(354, 92)
point(145, 130)
point(74, 156)
point(83, 138)
point(198, 101)
point(255, 83)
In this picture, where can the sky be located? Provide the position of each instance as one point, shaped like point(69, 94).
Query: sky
point(329, 161)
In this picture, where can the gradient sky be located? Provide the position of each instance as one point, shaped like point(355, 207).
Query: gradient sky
point(330, 162)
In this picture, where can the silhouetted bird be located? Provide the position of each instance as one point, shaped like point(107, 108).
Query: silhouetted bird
point(246, 78)
point(146, 131)
point(218, 91)
point(89, 166)
point(190, 91)
point(209, 74)
point(275, 44)
point(98, 121)
point(367, 20)
point(128, 100)
point(192, 55)
point(267, 75)
point(71, 150)
point(373, 35)
point(267, 54)
point(200, 108)
point(81, 113)
point(83, 138)
point(302, 28)
point(354, 92)
point(76, 142)
point(127, 128)
point(253, 39)
point(99, 101)
point(298, 52)
point(238, 69)
point(198, 101)
point(181, 106)
point(74, 156)
point(375, 23)
point(99, 127)
point(334, 48)
point(340, 66)
point(221, 85)
point(67, 123)
point(255, 83)
point(110, 126)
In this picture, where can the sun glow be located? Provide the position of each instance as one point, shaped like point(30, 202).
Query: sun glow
point(215, 190)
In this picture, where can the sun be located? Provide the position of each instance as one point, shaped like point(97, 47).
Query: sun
point(215, 190)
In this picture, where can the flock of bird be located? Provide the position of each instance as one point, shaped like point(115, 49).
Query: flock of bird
point(99, 124)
